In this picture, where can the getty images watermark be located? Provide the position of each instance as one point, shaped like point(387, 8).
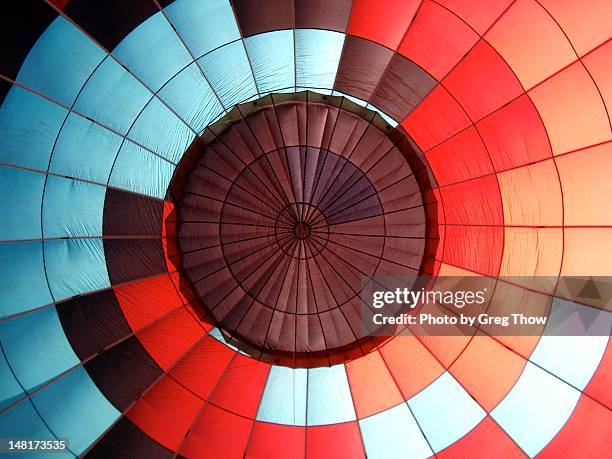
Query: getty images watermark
point(517, 306)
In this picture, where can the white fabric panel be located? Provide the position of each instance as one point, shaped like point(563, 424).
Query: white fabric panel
point(535, 409)
point(393, 434)
point(445, 411)
point(329, 396)
point(284, 398)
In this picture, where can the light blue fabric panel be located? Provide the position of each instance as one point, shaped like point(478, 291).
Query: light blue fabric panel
point(272, 59)
point(190, 95)
point(20, 199)
point(23, 421)
point(153, 52)
point(317, 57)
point(28, 128)
point(74, 408)
point(203, 26)
point(393, 434)
point(160, 130)
point(75, 266)
point(36, 347)
point(284, 398)
point(140, 171)
point(10, 390)
point(72, 208)
point(356, 100)
point(113, 97)
point(329, 396)
point(229, 73)
point(23, 284)
point(535, 409)
point(85, 150)
point(60, 62)
point(445, 412)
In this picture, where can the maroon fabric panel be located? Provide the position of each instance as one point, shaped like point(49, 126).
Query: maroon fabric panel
point(130, 259)
point(361, 67)
point(322, 14)
point(263, 15)
point(129, 214)
point(402, 88)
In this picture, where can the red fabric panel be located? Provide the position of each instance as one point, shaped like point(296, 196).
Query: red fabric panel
point(335, 441)
point(475, 248)
point(476, 202)
point(484, 441)
point(587, 433)
point(383, 21)
point(518, 128)
point(146, 300)
point(217, 434)
point(601, 382)
point(460, 158)
point(437, 118)
point(482, 82)
point(170, 338)
point(241, 386)
point(372, 385)
point(598, 65)
point(275, 441)
point(166, 412)
point(201, 369)
point(435, 27)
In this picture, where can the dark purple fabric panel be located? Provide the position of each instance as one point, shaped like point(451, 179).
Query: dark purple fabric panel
point(130, 259)
point(109, 21)
point(123, 372)
point(92, 322)
point(129, 214)
point(263, 15)
point(125, 440)
point(403, 86)
point(322, 14)
point(21, 25)
point(361, 67)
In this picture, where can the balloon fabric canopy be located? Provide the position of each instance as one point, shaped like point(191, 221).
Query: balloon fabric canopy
point(193, 190)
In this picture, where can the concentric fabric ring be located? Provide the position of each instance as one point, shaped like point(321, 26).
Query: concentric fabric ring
point(107, 105)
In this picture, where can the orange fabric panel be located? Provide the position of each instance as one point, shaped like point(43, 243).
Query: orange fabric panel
point(587, 252)
point(531, 195)
point(435, 27)
point(166, 412)
point(201, 369)
point(572, 110)
point(514, 135)
point(411, 364)
point(146, 300)
point(487, 370)
point(217, 434)
point(480, 14)
point(586, 25)
point(598, 64)
point(335, 441)
point(445, 349)
point(275, 441)
point(436, 118)
point(587, 433)
point(462, 157)
point(599, 386)
point(531, 42)
point(533, 254)
point(482, 82)
point(383, 21)
point(168, 339)
point(585, 179)
point(372, 386)
point(241, 386)
point(475, 202)
point(484, 441)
